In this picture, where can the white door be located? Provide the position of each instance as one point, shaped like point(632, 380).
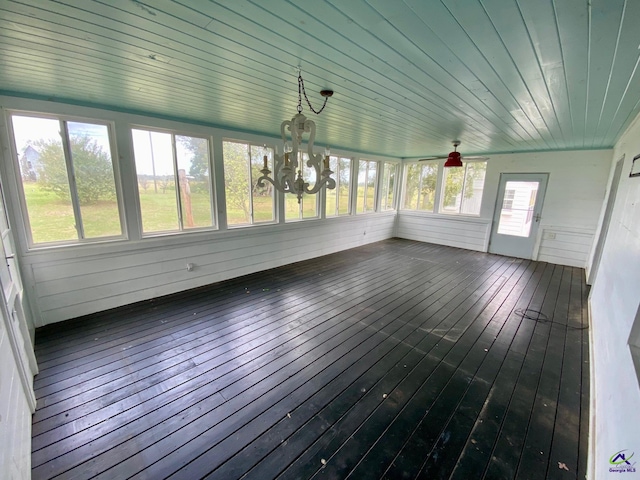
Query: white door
point(12, 311)
point(517, 214)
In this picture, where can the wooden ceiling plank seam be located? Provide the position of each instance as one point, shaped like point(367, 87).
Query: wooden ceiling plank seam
point(495, 51)
point(573, 21)
point(518, 64)
point(622, 82)
point(413, 64)
point(605, 17)
point(633, 112)
point(564, 65)
point(473, 60)
point(611, 70)
point(381, 88)
point(552, 37)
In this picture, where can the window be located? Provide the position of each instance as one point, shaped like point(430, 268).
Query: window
point(388, 187)
point(67, 178)
point(308, 206)
point(463, 188)
point(338, 200)
point(420, 180)
point(367, 176)
point(247, 203)
point(174, 182)
point(507, 203)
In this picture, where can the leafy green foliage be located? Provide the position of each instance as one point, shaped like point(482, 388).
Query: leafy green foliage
point(92, 168)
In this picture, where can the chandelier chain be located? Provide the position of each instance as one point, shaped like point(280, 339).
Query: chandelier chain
point(302, 91)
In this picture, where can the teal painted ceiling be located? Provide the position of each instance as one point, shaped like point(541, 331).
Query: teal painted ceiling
point(409, 76)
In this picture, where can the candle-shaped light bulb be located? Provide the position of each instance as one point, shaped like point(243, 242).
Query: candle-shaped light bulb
point(265, 161)
point(287, 147)
point(327, 153)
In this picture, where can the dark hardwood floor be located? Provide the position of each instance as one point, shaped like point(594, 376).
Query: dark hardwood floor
point(398, 359)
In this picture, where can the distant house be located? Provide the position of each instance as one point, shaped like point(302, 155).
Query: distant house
point(29, 163)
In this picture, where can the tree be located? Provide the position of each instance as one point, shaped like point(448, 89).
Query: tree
point(236, 177)
point(199, 147)
point(92, 168)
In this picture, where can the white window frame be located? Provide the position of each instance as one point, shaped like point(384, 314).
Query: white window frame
point(252, 221)
point(63, 119)
point(442, 183)
point(336, 191)
point(212, 193)
point(375, 188)
point(392, 169)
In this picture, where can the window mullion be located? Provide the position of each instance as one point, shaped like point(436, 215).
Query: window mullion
point(419, 188)
point(176, 180)
point(71, 175)
point(250, 186)
point(464, 184)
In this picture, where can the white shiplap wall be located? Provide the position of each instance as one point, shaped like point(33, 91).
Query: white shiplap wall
point(461, 232)
point(574, 196)
point(67, 284)
point(615, 325)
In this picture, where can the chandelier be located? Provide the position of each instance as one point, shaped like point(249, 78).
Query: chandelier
point(288, 167)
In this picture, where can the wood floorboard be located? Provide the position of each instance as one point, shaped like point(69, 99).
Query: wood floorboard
point(397, 359)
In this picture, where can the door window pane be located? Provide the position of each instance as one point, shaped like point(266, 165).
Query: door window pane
point(516, 213)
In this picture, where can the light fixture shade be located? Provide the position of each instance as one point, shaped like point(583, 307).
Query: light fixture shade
point(453, 160)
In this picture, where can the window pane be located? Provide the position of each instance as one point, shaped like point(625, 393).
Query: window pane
point(428, 180)
point(292, 210)
point(332, 197)
point(371, 187)
point(44, 179)
point(388, 185)
point(309, 202)
point(192, 154)
point(469, 177)
point(262, 197)
point(153, 154)
point(237, 186)
point(338, 199)
point(345, 186)
point(473, 187)
point(411, 186)
point(95, 181)
point(366, 186)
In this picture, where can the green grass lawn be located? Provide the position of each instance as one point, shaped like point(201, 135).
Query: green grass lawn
point(52, 219)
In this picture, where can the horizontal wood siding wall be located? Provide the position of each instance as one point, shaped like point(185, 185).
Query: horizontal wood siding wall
point(472, 234)
point(68, 284)
point(15, 416)
point(565, 246)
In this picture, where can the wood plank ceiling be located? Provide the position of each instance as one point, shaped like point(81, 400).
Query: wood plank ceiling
point(409, 76)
